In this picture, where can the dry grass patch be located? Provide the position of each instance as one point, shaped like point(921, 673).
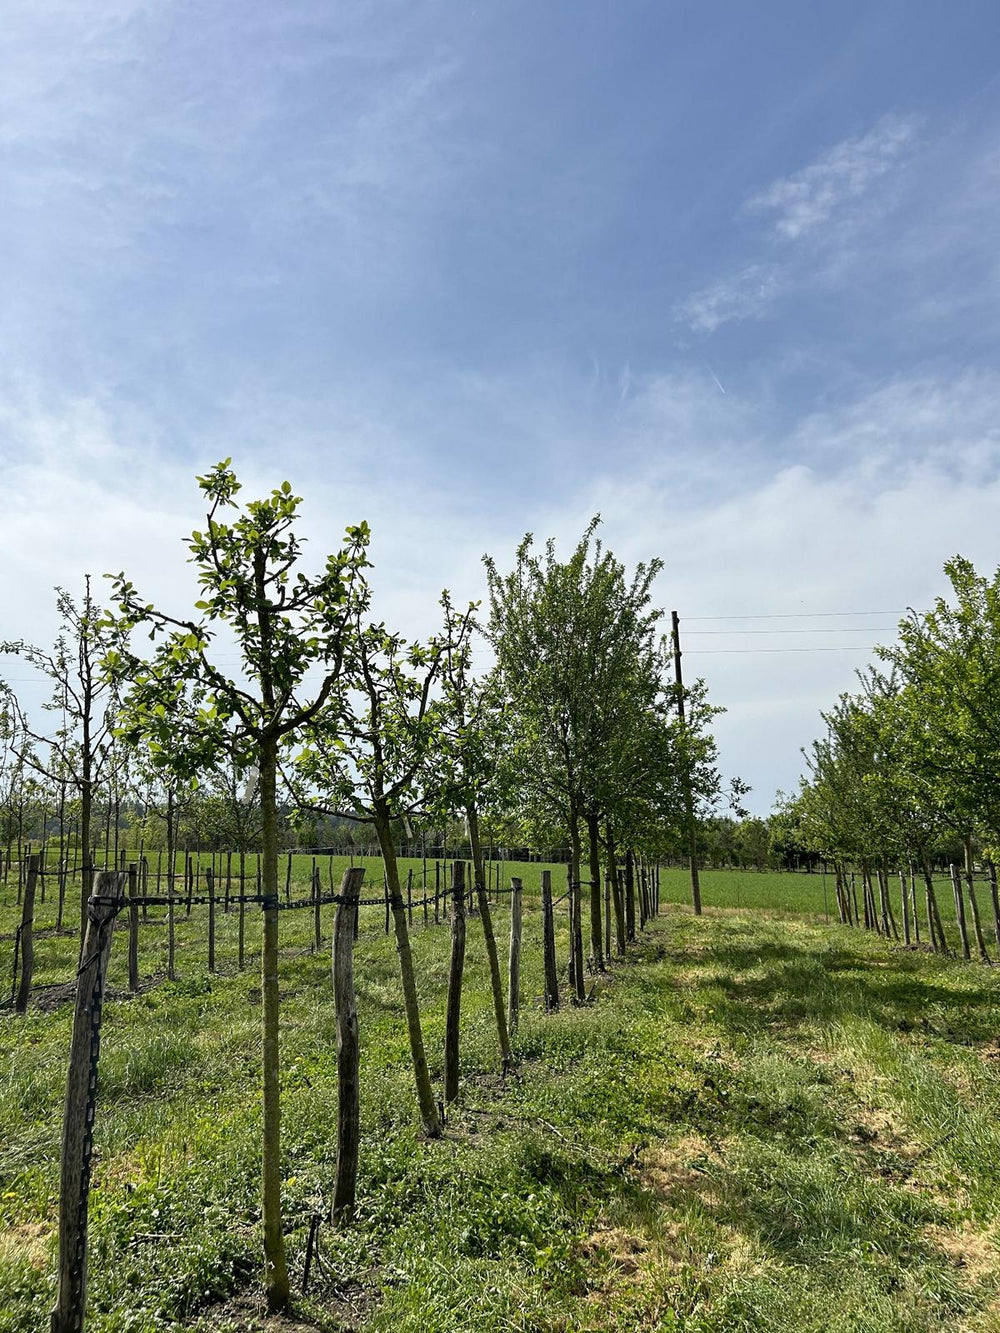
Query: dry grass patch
point(29, 1241)
point(970, 1248)
point(674, 1170)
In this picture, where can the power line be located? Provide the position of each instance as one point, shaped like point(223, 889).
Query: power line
point(796, 615)
point(818, 629)
point(842, 648)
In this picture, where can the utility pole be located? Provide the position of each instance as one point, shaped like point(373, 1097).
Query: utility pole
point(688, 795)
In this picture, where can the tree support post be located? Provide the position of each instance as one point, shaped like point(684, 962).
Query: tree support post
point(26, 934)
point(348, 1047)
point(81, 1103)
point(514, 972)
point(133, 928)
point(549, 944)
point(455, 970)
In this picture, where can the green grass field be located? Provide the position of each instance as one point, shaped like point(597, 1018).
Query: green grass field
point(762, 1122)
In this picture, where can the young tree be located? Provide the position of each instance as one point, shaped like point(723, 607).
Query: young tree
point(84, 699)
point(372, 759)
point(571, 640)
point(475, 719)
point(284, 623)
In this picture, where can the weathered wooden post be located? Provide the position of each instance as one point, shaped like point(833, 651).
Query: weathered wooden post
point(81, 1102)
point(455, 970)
point(607, 916)
point(970, 878)
point(630, 895)
point(348, 1049)
point(171, 941)
point(133, 928)
point(995, 898)
point(210, 886)
point(549, 944)
point(241, 928)
point(26, 934)
point(514, 972)
point(579, 979)
point(963, 930)
point(317, 889)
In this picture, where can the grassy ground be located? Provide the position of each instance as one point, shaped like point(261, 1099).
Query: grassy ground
point(761, 1123)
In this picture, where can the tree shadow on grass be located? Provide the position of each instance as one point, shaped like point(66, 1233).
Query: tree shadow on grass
point(771, 984)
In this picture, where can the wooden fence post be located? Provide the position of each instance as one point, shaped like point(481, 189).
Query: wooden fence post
point(549, 944)
point(963, 930)
point(514, 974)
point(455, 970)
point(210, 886)
point(970, 876)
point(995, 898)
point(26, 934)
point(133, 928)
point(348, 1049)
point(81, 1102)
point(630, 895)
point(317, 888)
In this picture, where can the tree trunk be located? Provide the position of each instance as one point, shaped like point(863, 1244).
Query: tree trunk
point(496, 983)
point(348, 1047)
point(275, 1269)
point(906, 908)
point(455, 970)
point(425, 1093)
point(596, 925)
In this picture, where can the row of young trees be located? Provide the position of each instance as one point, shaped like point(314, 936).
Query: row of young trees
point(907, 770)
point(577, 733)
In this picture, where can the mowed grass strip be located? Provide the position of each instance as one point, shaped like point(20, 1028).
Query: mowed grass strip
point(759, 1124)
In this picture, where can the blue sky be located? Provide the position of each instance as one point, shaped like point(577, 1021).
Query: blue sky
point(725, 272)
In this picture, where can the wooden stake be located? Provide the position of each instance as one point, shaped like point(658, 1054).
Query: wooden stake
point(455, 970)
point(549, 944)
point(210, 885)
point(514, 973)
point(27, 942)
point(80, 1105)
point(133, 928)
point(348, 1048)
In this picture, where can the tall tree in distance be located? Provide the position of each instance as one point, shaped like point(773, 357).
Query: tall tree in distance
point(574, 642)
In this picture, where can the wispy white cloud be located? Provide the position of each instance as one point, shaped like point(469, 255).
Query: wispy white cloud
point(805, 200)
point(822, 207)
point(748, 294)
